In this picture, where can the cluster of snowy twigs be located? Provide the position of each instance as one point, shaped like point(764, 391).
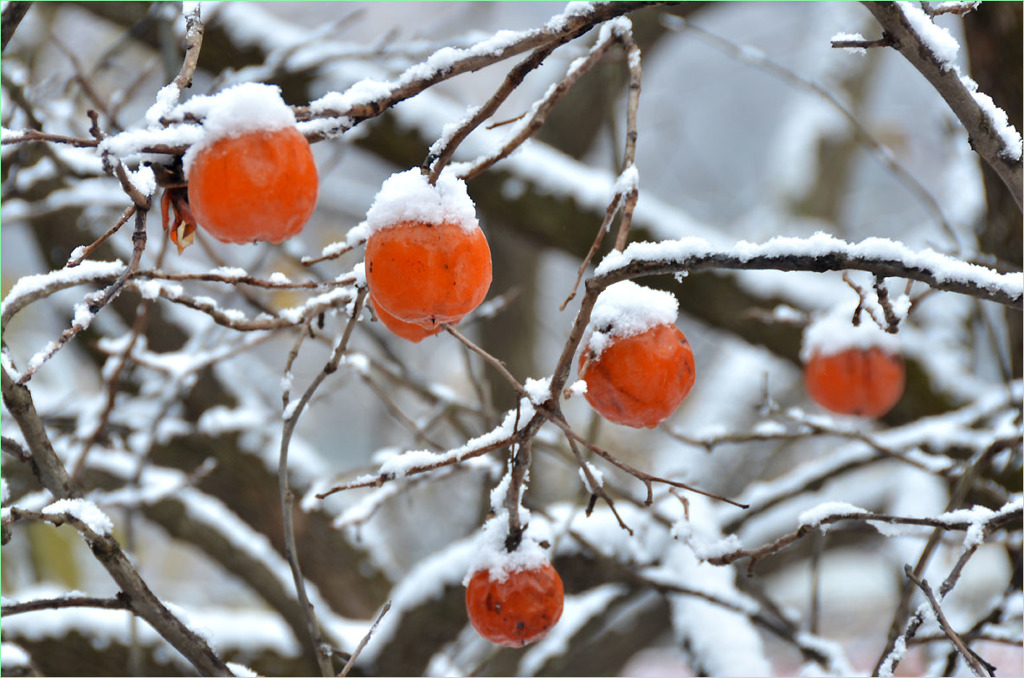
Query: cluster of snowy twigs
point(176, 434)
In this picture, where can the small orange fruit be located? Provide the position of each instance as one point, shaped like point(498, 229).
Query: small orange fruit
point(638, 366)
point(640, 380)
point(867, 382)
point(427, 261)
point(258, 185)
point(413, 333)
point(518, 609)
point(852, 369)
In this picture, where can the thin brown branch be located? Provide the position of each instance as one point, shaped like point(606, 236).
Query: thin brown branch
point(194, 30)
point(979, 666)
point(490, 360)
point(609, 215)
point(480, 56)
point(439, 157)
point(649, 480)
point(288, 499)
point(540, 110)
point(883, 41)
point(786, 540)
point(362, 643)
point(15, 449)
point(99, 301)
point(957, 496)
point(595, 488)
point(118, 602)
point(91, 247)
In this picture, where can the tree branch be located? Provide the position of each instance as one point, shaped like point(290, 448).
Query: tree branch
point(54, 477)
point(818, 253)
point(962, 98)
point(979, 666)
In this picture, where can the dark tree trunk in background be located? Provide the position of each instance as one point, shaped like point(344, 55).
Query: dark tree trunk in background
point(994, 49)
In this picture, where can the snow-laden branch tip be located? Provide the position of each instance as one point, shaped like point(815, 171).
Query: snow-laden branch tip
point(932, 50)
point(818, 253)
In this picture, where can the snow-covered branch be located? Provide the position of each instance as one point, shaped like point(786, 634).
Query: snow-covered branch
point(818, 253)
point(931, 50)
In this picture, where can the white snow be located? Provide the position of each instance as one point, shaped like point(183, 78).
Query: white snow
point(595, 473)
point(625, 309)
point(694, 250)
point(538, 390)
point(240, 109)
point(998, 119)
point(936, 38)
point(85, 511)
point(400, 465)
point(408, 196)
point(628, 180)
point(813, 517)
point(835, 332)
point(166, 100)
point(850, 37)
point(28, 287)
point(577, 388)
point(13, 656)
point(490, 554)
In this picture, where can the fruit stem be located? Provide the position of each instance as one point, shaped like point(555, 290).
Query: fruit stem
point(519, 465)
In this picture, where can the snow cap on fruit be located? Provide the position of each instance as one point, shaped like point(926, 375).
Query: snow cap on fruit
point(835, 332)
point(408, 196)
point(491, 554)
point(242, 108)
point(626, 309)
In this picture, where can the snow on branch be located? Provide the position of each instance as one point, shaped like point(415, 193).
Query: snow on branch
point(368, 99)
point(931, 49)
point(818, 253)
point(978, 523)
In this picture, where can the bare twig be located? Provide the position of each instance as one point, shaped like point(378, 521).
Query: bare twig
point(362, 643)
point(647, 479)
point(979, 666)
point(957, 496)
point(490, 360)
point(84, 253)
point(16, 449)
point(118, 602)
point(782, 542)
point(534, 119)
point(439, 156)
point(99, 301)
point(288, 498)
point(883, 41)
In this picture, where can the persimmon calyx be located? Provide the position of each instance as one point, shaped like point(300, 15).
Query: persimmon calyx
point(182, 231)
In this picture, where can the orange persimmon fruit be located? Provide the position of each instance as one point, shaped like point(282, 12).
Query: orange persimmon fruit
point(409, 331)
point(639, 380)
point(428, 273)
point(257, 185)
point(863, 381)
point(517, 609)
